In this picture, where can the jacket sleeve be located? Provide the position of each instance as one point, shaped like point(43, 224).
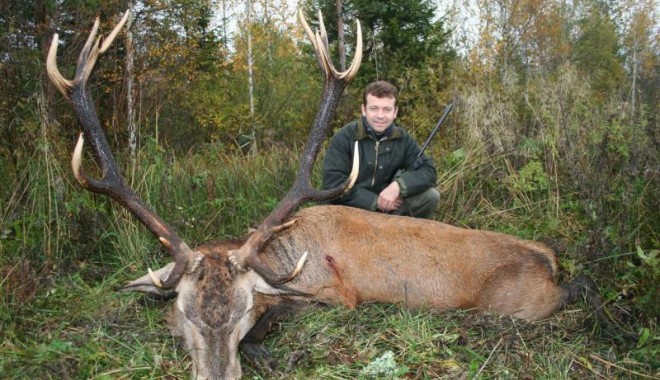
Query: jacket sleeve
point(337, 165)
point(414, 181)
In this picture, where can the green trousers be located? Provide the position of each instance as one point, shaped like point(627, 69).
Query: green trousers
point(421, 205)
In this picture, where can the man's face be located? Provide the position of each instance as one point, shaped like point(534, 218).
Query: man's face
point(379, 112)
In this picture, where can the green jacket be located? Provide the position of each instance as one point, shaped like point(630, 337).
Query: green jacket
point(379, 161)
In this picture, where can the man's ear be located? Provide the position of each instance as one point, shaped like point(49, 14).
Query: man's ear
point(364, 111)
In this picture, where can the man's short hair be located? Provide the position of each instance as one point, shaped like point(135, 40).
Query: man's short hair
point(380, 89)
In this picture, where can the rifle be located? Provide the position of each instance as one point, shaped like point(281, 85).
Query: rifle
point(435, 130)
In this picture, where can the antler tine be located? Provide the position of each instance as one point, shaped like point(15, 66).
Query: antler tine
point(302, 190)
point(111, 37)
point(352, 70)
point(323, 36)
point(111, 182)
point(62, 84)
point(88, 54)
point(313, 38)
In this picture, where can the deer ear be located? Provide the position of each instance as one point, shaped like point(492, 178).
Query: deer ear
point(146, 284)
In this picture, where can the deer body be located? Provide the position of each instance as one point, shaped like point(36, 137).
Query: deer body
point(359, 256)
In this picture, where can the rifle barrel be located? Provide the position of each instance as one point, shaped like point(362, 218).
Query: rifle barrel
point(435, 130)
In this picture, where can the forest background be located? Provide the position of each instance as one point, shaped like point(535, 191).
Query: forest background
point(206, 103)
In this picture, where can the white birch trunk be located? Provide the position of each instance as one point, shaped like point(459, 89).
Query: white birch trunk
point(130, 106)
point(248, 5)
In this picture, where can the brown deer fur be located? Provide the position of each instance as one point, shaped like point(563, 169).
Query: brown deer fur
point(358, 256)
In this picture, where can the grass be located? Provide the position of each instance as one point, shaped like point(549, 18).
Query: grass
point(342, 343)
point(107, 335)
point(61, 317)
point(78, 330)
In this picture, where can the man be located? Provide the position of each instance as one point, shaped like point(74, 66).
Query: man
point(384, 149)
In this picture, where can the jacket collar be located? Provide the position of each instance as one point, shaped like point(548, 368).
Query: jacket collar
point(392, 132)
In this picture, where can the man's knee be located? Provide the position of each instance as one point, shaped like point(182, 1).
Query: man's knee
point(433, 196)
point(431, 199)
point(424, 204)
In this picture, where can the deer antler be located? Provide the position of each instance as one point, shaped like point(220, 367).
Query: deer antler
point(111, 183)
point(302, 190)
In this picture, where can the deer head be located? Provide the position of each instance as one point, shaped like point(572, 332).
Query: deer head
point(215, 304)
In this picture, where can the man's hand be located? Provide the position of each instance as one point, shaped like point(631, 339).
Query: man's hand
point(389, 199)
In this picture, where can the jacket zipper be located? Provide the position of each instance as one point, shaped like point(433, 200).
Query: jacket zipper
point(377, 147)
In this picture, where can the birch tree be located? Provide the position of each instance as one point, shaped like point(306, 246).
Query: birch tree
point(130, 106)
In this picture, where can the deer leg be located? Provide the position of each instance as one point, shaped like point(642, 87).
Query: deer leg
point(252, 345)
point(583, 287)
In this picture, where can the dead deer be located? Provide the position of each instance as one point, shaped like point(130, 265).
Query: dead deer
point(227, 291)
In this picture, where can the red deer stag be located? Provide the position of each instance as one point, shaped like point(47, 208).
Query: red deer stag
point(339, 255)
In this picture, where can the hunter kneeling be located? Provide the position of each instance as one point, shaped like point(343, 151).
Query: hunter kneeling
point(393, 177)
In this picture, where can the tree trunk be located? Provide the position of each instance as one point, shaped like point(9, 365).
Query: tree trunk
point(130, 106)
point(340, 36)
point(633, 90)
point(248, 6)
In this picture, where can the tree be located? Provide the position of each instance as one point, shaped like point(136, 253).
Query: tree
point(596, 51)
point(640, 44)
point(179, 51)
